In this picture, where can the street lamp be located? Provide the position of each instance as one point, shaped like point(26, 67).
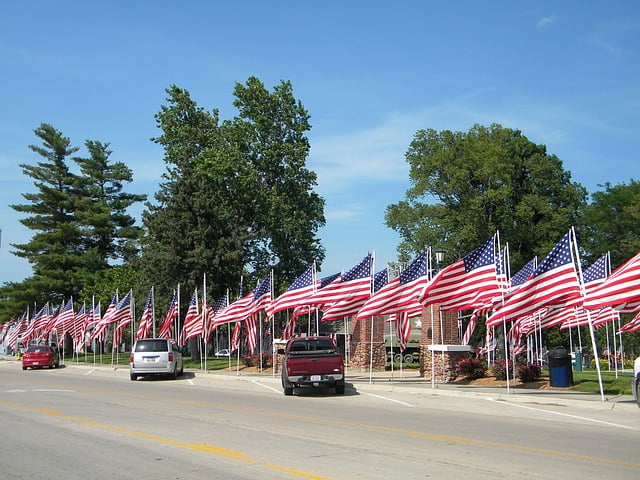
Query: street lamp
point(439, 257)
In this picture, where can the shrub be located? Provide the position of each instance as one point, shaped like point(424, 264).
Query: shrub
point(499, 370)
point(528, 372)
point(470, 367)
point(254, 360)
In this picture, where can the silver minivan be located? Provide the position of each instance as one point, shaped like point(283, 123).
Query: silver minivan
point(155, 356)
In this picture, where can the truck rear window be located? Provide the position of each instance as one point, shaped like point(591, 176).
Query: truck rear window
point(312, 346)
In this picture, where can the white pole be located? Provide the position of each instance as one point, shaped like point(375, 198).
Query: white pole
point(391, 348)
point(615, 346)
point(433, 353)
point(506, 351)
point(371, 355)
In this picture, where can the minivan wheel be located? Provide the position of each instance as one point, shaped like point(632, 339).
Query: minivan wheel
point(133, 376)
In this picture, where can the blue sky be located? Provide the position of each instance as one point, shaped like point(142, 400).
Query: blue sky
point(371, 74)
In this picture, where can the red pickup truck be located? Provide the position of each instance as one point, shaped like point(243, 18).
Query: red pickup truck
point(312, 361)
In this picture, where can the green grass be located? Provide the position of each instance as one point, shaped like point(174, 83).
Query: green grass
point(587, 381)
point(122, 359)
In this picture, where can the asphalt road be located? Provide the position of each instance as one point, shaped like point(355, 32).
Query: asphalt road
point(84, 423)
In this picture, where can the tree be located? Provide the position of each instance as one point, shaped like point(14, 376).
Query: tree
point(80, 221)
point(55, 250)
point(613, 222)
point(467, 186)
point(270, 132)
point(190, 229)
point(237, 195)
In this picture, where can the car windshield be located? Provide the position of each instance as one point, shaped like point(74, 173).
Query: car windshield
point(152, 346)
point(38, 350)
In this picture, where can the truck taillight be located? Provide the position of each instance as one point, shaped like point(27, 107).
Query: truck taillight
point(171, 356)
point(131, 358)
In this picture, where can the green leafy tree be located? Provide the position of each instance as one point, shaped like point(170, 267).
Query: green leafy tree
point(467, 186)
point(270, 133)
point(236, 196)
point(192, 229)
point(613, 222)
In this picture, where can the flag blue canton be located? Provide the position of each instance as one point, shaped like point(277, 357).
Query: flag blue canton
point(416, 270)
point(124, 302)
point(362, 270)
point(327, 280)
point(524, 273)
point(380, 279)
point(220, 303)
point(68, 306)
point(303, 280)
point(560, 255)
point(597, 271)
point(501, 262)
point(481, 256)
point(263, 288)
point(147, 305)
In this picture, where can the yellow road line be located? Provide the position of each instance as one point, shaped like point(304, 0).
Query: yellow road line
point(196, 446)
point(409, 433)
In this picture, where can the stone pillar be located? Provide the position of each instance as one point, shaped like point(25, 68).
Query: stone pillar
point(440, 348)
point(361, 345)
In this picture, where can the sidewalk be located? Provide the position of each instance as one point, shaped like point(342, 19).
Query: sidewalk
point(409, 381)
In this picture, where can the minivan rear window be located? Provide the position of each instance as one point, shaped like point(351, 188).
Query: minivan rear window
point(151, 346)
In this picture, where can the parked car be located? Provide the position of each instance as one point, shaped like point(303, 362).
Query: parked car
point(155, 356)
point(223, 353)
point(311, 361)
point(39, 356)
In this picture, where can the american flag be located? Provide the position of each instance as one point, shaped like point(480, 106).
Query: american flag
point(403, 328)
point(261, 296)
point(400, 294)
point(553, 284)
point(235, 311)
point(122, 312)
point(252, 332)
point(354, 284)
point(471, 326)
point(166, 328)
point(235, 336)
point(469, 283)
point(146, 321)
point(192, 325)
point(297, 293)
point(631, 326)
point(289, 328)
point(348, 306)
point(524, 273)
point(38, 323)
point(65, 321)
point(622, 286)
point(101, 327)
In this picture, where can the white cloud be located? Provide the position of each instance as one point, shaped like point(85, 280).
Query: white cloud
point(546, 21)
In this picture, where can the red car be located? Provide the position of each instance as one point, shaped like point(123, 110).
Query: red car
point(40, 356)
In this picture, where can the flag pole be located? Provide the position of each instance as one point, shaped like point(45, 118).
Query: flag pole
point(371, 354)
point(593, 338)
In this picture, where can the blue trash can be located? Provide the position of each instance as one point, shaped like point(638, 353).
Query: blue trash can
point(560, 372)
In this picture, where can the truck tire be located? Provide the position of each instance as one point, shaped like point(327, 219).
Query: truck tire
point(288, 391)
point(339, 388)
